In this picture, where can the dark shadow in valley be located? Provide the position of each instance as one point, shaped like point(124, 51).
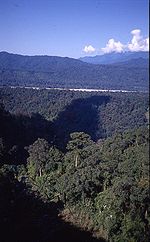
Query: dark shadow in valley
point(19, 131)
point(26, 218)
point(80, 116)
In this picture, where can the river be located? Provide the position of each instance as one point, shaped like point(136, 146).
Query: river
point(72, 89)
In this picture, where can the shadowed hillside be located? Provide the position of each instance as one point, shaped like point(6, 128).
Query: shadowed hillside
point(80, 116)
point(25, 218)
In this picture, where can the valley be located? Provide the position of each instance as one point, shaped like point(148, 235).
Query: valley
point(74, 121)
point(64, 155)
point(74, 149)
point(69, 73)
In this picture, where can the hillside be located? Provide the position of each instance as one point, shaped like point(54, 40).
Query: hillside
point(139, 62)
point(114, 57)
point(52, 71)
point(63, 112)
point(98, 183)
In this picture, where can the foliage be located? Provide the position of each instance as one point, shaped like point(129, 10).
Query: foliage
point(54, 115)
point(105, 177)
point(123, 206)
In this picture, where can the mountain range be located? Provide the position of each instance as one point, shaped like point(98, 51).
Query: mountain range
point(64, 72)
point(111, 58)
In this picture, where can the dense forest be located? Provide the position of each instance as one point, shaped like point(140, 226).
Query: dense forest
point(74, 166)
point(64, 72)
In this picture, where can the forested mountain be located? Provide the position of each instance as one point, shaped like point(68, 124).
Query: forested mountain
point(139, 62)
point(36, 63)
point(73, 166)
point(114, 57)
point(51, 71)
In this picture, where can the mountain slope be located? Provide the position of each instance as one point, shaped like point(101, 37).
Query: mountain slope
point(36, 63)
point(139, 62)
point(111, 58)
point(52, 71)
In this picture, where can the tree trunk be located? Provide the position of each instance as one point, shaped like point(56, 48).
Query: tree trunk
point(76, 161)
point(40, 171)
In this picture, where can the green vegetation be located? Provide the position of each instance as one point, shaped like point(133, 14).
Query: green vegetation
point(53, 114)
point(74, 157)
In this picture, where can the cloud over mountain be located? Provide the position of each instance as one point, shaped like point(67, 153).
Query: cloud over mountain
point(138, 43)
point(89, 49)
point(113, 46)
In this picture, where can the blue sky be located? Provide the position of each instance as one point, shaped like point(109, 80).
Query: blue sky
point(67, 27)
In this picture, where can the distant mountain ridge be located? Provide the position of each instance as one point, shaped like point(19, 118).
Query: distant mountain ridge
point(64, 72)
point(139, 62)
point(35, 63)
point(114, 57)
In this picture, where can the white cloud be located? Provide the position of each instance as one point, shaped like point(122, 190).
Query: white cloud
point(89, 49)
point(113, 46)
point(138, 43)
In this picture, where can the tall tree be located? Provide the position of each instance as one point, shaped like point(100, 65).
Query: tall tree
point(38, 156)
